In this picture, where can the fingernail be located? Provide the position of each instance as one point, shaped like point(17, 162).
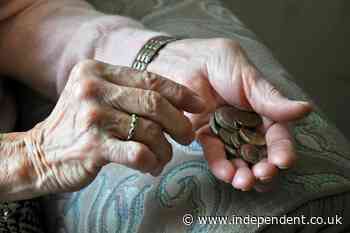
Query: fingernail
point(305, 103)
point(265, 179)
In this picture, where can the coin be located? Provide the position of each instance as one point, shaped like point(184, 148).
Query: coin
point(231, 152)
point(252, 137)
point(225, 136)
point(236, 139)
point(213, 125)
point(230, 117)
point(250, 153)
point(225, 119)
point(237, 130)
point(249, 119)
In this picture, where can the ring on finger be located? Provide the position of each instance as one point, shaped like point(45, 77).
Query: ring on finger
point(133, 125)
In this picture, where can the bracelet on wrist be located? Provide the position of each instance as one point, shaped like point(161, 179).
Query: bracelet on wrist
point(150, 50)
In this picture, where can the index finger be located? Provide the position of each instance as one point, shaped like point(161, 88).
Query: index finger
point(177, 94)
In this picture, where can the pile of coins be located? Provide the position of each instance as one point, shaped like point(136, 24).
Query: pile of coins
point(237, 129)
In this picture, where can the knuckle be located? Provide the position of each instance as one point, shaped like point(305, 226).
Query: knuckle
point(153, 130)
point(83, 67)
point(273, 91)
point(151, 80)
point(179, 91)
point(120, 71)
point(86, 88)
point(153, 103)
point(93, 115)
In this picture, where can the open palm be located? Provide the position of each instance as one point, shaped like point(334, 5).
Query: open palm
point(220, 72)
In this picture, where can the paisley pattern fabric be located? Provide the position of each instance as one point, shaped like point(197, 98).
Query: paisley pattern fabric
point(123, 200)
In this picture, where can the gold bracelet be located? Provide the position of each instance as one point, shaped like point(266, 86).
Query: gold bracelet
point(150, 50)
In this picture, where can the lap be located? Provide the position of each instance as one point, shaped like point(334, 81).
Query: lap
point(123, 200)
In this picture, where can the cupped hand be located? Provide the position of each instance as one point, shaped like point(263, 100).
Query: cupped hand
point(89, 126)
point(220, 72)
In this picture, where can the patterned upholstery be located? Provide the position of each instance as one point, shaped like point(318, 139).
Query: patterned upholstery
point(123, 200)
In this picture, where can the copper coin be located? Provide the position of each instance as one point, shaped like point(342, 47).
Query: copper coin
point(213, 125)
point(225, 136)
point(236, 139)
point(225, 119)
point(252, 137)
point(231, 152)
point(250, 153)
point(231, 117)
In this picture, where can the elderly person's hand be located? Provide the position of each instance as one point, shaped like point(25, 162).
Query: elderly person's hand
point(89, 126)
point(220, 72)
point(216, 69)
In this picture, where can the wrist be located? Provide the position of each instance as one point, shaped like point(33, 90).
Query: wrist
point(121, 47)
point(16, 173)
point(111, 39)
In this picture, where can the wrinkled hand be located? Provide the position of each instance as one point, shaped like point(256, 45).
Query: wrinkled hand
point(89, 125)
point(220, 72)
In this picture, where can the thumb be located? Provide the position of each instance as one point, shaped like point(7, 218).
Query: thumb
point(266, 100)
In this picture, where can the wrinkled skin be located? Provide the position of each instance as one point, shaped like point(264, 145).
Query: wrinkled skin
point(220, 72)
point(89, 125)
point(91, 119)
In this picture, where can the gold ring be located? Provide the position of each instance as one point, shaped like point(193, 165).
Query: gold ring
point(133, 126)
